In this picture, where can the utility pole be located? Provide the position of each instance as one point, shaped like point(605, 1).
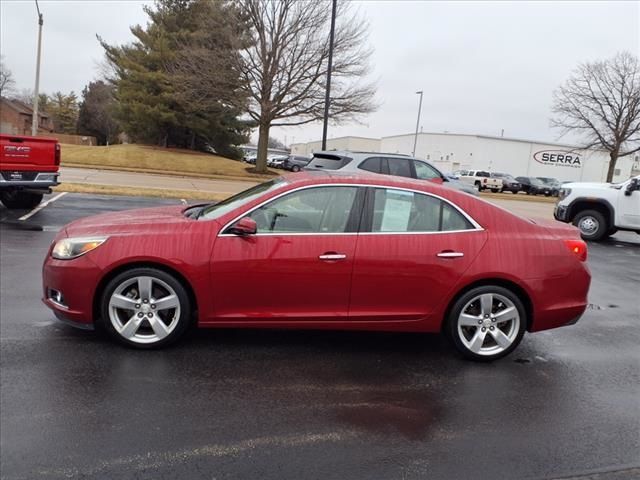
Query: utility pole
point(36, 93)
point(327, 97)
point(415, 141)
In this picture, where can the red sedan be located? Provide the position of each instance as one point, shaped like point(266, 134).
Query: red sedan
point(322, 251)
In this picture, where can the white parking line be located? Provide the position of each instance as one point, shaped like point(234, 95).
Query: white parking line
point(41, 206)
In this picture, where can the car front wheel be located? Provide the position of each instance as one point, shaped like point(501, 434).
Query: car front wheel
point(487, 323)
point(145, 308)
point(592, 224)
point(295, 168)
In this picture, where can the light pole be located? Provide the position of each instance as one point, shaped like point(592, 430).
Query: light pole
point(415, 140)
point(327, 96)
point(34, 120)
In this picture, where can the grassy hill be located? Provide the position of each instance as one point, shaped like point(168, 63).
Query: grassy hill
point(150, 159)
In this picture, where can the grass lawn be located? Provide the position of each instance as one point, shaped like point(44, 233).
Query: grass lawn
point(150, 159)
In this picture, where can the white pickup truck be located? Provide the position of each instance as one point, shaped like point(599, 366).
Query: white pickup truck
point(481, 179)
point(600, 209)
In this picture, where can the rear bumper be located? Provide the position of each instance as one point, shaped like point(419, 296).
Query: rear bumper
point(39, 181)
point(560, 301)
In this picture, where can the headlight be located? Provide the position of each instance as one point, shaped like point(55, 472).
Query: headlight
point(69, 248)
point(564, 193)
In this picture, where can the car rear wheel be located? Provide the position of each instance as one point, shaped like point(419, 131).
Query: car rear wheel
point(495, 190)
point(145, 308)
point(295, 168)
point(487, 323)
point(515, 192)
point(20, 200)
point(592, 224)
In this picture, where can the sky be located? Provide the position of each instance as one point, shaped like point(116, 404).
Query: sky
point(484, 67)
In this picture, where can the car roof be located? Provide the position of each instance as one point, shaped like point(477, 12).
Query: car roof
point(352, 153)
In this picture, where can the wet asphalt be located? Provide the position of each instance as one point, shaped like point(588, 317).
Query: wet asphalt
point(328, 405)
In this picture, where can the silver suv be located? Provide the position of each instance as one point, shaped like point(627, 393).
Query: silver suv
point(384, 163)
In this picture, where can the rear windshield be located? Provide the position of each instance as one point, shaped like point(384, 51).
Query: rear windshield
point(327, 161)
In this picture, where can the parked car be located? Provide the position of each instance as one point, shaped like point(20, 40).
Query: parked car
point(28, 169)
point(509, 184)
point(481, 179)
point(428, 259)
point(600, 209)
point(251, 159)
point(382, 163)
point(460, 185)
point(295, 163)
point(276, 161)
point(533, 186)
point(553, 183)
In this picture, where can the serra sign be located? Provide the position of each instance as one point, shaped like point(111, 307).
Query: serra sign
point(558, 158)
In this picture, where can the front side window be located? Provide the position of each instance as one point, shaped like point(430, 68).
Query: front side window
point(399, 167)
point(425, 171)
point(399, 211)
point(312, 210)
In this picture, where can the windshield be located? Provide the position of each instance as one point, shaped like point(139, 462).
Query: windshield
point(216, 210)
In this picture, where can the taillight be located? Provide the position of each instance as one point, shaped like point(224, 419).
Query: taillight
point(577, 247)
point(57, 157)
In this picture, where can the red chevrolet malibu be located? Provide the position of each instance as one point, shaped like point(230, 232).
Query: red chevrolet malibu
point(324, 251)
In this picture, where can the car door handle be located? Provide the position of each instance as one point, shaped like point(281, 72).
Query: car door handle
point(332, 256)
point(450, 254)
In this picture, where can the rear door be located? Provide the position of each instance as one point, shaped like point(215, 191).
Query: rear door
point(629, 208)
point(298, 265)
point(413, 249)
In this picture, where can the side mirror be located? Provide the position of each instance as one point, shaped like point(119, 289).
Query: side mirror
point(243, 227)
point(633, 186)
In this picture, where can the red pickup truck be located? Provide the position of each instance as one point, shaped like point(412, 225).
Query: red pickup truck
point(28, 169)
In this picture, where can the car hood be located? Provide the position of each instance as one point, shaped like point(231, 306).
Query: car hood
point(142, 220)
point(589, 185)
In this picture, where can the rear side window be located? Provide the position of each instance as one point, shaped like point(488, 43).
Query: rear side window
point(399, 211)
point(371, 165)
point(399, 167)
point(483, 174)
point(425, 171)
point(327, 161)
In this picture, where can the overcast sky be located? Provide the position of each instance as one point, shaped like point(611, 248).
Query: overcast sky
point(483, 66)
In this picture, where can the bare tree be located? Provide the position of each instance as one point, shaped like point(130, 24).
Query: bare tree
point(601, 102)
point(285, 67)
point(7, 82)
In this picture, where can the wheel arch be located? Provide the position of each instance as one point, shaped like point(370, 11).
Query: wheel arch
point(108, 276)
point(598, 204)
point(497, 281)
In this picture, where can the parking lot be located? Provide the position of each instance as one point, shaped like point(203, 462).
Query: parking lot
point(286, 404)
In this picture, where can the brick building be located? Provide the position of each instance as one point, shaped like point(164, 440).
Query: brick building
point(16, 117)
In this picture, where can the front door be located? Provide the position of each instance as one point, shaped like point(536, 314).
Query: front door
point(415, 249)
point(298, 265)
point(629, 207)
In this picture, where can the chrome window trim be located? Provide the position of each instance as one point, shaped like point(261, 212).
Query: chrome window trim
point(476, 225)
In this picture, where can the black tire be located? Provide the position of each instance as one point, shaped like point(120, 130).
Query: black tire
point(528, 192)
point(592, 225)
point(516, 332)
point(295, 168)
point(495, 190)
point(182, 322)
point(16, 200)
point(515, 192)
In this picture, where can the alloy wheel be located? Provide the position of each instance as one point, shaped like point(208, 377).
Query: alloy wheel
point(488, 324)
point(144, 309)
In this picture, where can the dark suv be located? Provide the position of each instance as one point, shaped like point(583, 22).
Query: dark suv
point(384, 163)
point(295, 163)
point(533, 186)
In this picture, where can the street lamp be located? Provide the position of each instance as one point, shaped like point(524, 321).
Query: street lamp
point(327, 96)
point(415, 141)
point(34, 120)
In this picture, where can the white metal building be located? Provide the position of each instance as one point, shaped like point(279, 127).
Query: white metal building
point(451, 151)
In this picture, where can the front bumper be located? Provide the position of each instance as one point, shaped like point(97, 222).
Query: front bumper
point(561, 213)
point(76, 280)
